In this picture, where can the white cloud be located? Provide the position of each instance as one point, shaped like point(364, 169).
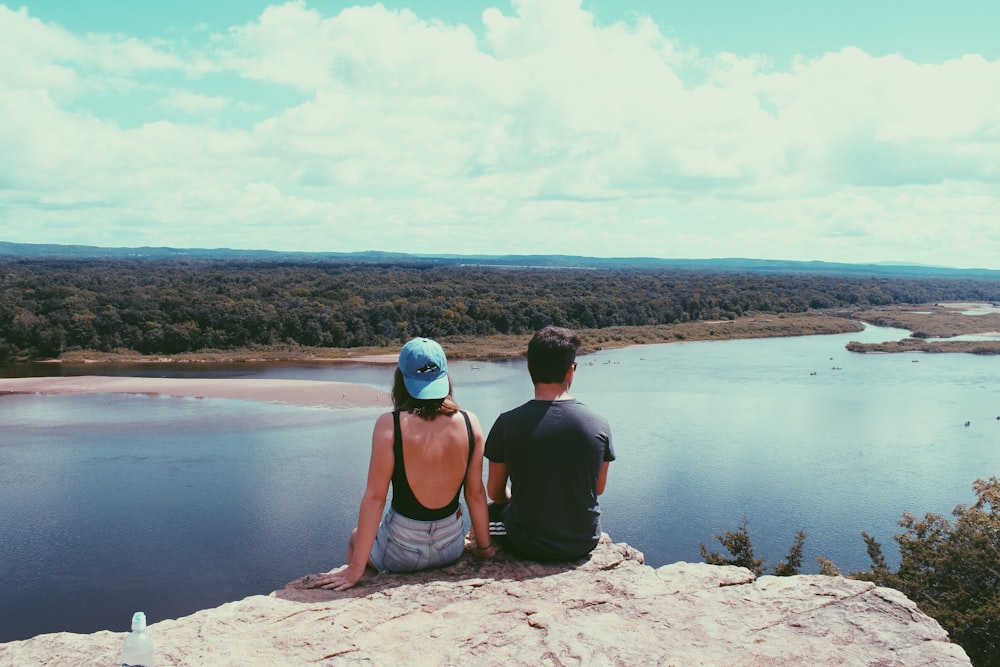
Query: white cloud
point(850, 118)
point(46, 57)
point(378, 128)
point(36, 56)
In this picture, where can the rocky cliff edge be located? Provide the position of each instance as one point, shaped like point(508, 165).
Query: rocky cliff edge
point(610, 609)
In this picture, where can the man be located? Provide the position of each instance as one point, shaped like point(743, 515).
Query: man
point(556, 452)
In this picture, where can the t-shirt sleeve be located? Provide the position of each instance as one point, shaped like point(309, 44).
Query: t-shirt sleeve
point(609, 448)
point(494, 442)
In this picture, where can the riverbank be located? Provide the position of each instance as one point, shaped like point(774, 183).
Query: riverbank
point(502, 347)
point(934, 328)
point(931, 325)
point(339, 394)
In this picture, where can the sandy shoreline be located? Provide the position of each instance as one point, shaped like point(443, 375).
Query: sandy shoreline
point(291, 392)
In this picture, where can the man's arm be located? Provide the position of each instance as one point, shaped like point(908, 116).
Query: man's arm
point(602, 477)
point(496, 483)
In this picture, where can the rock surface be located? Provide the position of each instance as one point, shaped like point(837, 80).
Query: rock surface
point(607, 610)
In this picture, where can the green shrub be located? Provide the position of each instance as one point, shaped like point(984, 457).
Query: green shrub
point(793, 561)
point(951, 569)
point(737, 543)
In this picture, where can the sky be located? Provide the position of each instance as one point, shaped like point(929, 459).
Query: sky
point(854, 131)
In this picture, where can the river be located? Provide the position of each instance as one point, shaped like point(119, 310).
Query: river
point(115, 503)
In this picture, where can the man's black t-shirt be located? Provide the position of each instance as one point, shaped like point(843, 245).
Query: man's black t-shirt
point(554, 451)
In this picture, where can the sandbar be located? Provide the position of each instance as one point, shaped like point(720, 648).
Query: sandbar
point(291, 392)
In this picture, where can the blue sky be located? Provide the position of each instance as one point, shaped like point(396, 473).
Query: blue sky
point(851, 131)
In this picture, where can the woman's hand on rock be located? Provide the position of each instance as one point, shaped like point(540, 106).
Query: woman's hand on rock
point(486, 552)
point(337, 580)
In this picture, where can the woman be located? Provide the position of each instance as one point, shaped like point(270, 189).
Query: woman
point(428, 449)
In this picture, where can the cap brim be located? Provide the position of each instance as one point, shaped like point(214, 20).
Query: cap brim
point(423, 390)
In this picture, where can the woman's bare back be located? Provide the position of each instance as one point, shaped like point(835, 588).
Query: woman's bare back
point(435, 456)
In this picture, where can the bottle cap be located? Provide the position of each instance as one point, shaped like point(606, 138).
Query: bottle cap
point(139, 621)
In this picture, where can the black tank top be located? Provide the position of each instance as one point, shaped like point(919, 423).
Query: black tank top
point(403, 500)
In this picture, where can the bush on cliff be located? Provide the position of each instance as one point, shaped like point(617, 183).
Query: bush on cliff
point(951, 569)
point(737, 543)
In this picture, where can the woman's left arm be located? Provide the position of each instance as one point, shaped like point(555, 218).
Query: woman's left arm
point(370, 513)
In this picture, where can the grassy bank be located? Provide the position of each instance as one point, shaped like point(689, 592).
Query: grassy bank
point(924, 321)
point(934, 321)
point(498, 347)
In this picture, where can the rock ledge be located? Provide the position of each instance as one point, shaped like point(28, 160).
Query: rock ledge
point(610, 609)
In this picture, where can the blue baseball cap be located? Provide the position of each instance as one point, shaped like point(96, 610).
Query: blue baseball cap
point(424, 368)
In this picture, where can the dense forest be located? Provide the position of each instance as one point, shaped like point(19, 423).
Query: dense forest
point(167, 306)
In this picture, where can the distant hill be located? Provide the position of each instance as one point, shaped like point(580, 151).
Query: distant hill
point(720, 265)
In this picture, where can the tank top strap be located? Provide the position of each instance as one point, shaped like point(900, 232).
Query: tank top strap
point(472, 438)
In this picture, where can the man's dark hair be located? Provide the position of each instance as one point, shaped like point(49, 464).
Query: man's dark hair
point(551, 352)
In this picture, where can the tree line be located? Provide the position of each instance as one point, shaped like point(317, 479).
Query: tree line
point(168, 306)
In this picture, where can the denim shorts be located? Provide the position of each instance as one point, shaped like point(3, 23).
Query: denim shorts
point(405, 545)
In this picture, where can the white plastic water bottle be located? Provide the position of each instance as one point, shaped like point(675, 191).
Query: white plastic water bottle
point(138, 650)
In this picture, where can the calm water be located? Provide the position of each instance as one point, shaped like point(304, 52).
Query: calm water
point(112, 504)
